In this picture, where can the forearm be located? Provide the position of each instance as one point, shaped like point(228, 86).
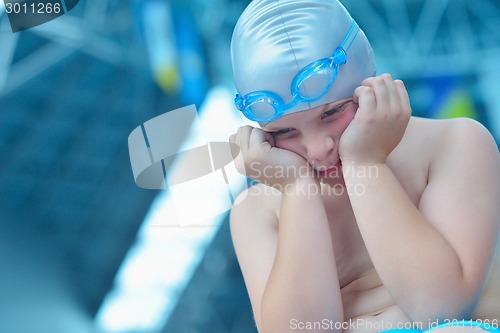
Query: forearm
point(303, 283)
point(414, 261)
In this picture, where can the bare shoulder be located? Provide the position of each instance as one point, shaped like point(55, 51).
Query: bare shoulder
point(461, 148)
point(446, 133)
point(455, 144)
point(257, 203)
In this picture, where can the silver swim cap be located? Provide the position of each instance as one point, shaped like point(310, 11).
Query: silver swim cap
point(275, 39)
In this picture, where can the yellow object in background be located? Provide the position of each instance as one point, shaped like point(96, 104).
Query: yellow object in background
point(167, 77)
point(458, 104)
point(160, 42)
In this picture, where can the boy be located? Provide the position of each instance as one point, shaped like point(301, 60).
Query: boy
point(366, 219)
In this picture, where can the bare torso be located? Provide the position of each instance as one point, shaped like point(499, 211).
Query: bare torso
point(364, 297)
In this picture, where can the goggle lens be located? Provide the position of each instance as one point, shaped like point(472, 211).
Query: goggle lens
point(315, 86)
point(261, 110)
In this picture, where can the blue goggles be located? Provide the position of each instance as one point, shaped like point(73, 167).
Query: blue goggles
point(265, 106)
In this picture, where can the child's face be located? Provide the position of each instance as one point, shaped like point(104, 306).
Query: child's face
point(314, 134)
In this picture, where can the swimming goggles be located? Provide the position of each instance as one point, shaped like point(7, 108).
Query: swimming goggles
point(264, 106)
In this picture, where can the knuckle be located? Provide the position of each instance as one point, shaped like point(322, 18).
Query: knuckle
point(366, 90)
point(386, 76)
point(380, 79)
point(367, 81)
point(246, 128)
point(370, 118)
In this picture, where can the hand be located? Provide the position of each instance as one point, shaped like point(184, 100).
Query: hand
point(380, 121)
point(260, 160)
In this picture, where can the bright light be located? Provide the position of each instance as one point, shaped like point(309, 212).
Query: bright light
point(158, 267)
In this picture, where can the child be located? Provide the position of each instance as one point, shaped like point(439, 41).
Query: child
point(366, 219)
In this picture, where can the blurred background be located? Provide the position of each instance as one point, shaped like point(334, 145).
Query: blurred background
point(82, 248)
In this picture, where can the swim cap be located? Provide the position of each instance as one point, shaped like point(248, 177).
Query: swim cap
point(274, 39)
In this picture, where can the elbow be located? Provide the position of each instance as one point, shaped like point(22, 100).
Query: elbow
point(278, 319)
point(323, 326)
point(432, 307)
point(274, 319)
point(451, 297)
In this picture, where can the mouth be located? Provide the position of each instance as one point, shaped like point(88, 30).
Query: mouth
point(335, 170)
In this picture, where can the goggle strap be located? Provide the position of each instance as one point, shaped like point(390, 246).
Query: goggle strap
point(350, 37)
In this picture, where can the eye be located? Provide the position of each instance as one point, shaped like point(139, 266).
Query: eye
point(334, 113)
point(282, 132)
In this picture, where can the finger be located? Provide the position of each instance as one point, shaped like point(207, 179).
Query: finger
point(365, 98)
point(357, 92)
point(368, 82)
point(268, 137)
point(403, 95)
point(381, 93)
point(241, 140)
point(243, 136)
point(235, 152)
point(259, 139)
point(393, 93)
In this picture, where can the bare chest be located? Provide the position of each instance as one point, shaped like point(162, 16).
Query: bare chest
point(363, 292)
point(352, 257)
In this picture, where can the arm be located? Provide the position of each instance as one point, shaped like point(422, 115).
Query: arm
point(443, 249)
point(289, 271)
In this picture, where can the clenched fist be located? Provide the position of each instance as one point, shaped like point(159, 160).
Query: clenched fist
point(380, 121)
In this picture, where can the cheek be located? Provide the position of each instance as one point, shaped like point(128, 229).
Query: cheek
point(293, 144)
point(289, 144)
point(339, 126)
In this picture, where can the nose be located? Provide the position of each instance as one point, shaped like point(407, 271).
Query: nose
point(319, 147)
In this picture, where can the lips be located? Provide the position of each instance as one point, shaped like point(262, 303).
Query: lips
point(332, 170)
